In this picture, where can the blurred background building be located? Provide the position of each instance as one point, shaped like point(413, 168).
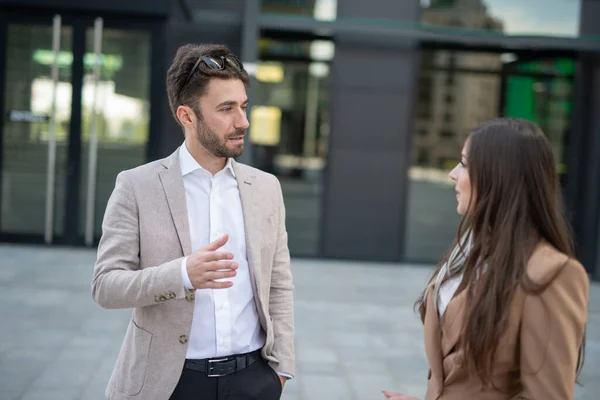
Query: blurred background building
point(360, 108)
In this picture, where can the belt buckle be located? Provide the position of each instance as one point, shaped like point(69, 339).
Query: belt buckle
point(210, 368)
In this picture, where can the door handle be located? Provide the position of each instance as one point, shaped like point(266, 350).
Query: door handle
point(93, 144)
point(51, 168)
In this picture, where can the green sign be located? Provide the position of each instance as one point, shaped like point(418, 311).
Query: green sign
point(65, 59)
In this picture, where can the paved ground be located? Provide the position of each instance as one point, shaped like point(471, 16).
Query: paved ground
point(356, 332)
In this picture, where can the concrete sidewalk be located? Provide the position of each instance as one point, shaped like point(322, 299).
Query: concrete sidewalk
point(356, 331)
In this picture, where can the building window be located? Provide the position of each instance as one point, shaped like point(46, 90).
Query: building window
point(453, 110)
point(423, 157)
point(493, 16)
point(290, 130)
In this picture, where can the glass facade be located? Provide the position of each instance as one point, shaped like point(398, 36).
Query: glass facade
point(118, 105)
point(290, 104)
point(121, 104)
point(25, 131)
point(324, 10)
point(290, 130)
point(456, 92)
point(511, 17)
point(542, 91)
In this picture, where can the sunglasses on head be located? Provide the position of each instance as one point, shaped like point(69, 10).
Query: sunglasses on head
point(217, 64)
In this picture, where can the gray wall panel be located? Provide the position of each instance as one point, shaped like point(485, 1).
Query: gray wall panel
point(586, 146)
point(590, 15)
point(373, 69)
point(365, 223)
point(371, 120)
point(372, 97)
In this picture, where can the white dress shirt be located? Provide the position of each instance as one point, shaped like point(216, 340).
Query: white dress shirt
point(225, 321)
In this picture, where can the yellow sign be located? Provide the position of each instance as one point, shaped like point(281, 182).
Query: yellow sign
point(272, 73)
point(265, 125)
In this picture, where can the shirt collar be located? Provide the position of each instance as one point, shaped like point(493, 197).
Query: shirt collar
point(229, 166)
point(188, 164)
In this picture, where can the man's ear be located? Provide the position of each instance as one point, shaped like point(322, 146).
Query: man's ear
point(187, 117)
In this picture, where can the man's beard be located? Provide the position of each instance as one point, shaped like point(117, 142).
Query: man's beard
point(211, 141)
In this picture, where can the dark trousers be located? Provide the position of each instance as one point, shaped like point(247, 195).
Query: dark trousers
point(257, 382)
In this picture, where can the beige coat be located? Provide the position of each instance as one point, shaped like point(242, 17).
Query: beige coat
point(145, 236)
point(542, 338)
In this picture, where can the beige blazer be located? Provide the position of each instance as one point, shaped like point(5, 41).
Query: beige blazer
point(542, 338)
point(145, 236)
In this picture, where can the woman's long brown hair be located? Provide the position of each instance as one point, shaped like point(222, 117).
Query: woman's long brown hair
point(515, 204)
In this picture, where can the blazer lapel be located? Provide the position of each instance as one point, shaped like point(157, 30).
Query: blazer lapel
point(172, 183)
point(248, 197)
point(433, 339)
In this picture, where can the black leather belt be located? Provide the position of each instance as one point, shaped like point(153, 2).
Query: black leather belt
point(214, 367)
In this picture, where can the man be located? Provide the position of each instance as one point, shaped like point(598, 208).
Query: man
point(196, 244)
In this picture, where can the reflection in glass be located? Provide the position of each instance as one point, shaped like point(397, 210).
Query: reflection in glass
point(542, 91)
point(512, 17)
point(122, 111)
point(450, 102)
point(28, 92)
point(290, 131)
point(456, 92)
point(324, 10)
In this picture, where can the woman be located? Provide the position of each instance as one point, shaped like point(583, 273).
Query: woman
point(505, 311)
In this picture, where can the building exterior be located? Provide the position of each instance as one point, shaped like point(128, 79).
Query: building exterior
point(360, 112)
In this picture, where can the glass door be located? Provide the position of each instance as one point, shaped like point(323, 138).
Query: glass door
point(115, 116)
point(36, 116)
point(75, 112)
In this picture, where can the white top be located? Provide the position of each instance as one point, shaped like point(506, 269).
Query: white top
point(225, 321)
point(447, 291)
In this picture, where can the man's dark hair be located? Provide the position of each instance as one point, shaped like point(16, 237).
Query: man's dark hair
point(186, 89)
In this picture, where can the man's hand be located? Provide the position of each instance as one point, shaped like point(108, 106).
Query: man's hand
point(206, 265)
point(397, 396)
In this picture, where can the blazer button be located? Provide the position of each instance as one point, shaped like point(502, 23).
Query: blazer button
point(163, 298)
point(157, 299)
point(190, 296)
point(172, 295)
point(183, 339)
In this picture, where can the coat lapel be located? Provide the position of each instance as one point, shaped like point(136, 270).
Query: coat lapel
point(172, 183)
point(433, 339)
point(248, 195)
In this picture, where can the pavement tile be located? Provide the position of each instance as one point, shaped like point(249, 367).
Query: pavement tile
point(356, 331)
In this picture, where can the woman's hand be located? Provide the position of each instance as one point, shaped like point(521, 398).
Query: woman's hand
point(397, 396)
